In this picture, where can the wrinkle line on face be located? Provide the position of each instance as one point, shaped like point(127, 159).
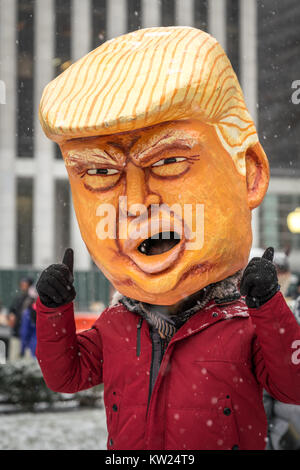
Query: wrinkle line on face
point(90, 156)
point(175, 138)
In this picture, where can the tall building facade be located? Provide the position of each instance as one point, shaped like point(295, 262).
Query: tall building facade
point(41, 38)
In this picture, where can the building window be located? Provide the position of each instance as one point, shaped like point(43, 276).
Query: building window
point(25, 74)
point(273, 221)
point(134, 15)
point(167, 12)
point(62, 58)
point(24, 221)
point(62, 36)
point(278, 67)
point(233, 33)
point(200, 14)
point(62, 218)
point(98, 22)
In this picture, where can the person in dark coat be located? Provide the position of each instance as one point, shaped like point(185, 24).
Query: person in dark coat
point(15, 316)
point(17, 306)
point(28, 324)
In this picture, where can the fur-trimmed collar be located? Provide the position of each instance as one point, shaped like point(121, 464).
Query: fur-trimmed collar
point(167, 324)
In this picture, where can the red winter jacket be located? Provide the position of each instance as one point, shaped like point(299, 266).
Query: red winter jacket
point(208, 393)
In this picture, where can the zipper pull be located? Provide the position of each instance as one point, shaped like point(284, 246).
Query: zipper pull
point(138, 337)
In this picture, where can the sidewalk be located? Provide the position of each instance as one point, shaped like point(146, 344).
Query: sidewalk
point(65, 430)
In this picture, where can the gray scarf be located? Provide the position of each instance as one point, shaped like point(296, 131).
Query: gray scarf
point(167, 323)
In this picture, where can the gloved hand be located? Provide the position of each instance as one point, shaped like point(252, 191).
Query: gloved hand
point(55, 285)
point(259, 282)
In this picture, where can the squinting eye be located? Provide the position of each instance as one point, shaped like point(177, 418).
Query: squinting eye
point(166, 161)
point(101, 179)
point(170, 167)
point(102, 171)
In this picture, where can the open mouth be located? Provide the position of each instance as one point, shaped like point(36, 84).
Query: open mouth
point(159, 243)
point(158, 252)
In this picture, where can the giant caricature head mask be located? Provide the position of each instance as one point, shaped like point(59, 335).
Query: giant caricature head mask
point(163, 159)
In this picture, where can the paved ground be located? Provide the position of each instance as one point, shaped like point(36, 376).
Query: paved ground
point(63, 430)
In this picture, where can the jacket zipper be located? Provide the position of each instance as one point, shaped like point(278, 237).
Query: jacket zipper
point(138, 337)
point(157, 354)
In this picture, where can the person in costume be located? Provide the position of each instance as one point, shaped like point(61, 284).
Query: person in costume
point(165, 166)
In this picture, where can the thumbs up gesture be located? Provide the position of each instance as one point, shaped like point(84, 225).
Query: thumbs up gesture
point(259, 282)
point(55, 285)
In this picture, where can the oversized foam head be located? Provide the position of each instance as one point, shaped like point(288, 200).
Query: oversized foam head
point(163, 159)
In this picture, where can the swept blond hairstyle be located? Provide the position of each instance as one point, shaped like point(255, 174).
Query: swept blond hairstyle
point(147, 77)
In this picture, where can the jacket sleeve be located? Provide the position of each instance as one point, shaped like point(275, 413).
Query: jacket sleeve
point(69, 362)
point(276, 352)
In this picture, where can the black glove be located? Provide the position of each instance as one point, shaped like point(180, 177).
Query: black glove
point(55, 285)
point(259, 281)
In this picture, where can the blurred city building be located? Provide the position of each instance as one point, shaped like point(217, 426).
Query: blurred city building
point(40, 38)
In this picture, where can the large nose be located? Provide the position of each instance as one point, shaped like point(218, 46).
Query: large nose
point(137, 191)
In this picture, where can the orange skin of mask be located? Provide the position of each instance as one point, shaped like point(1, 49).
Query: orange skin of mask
point(200, 172)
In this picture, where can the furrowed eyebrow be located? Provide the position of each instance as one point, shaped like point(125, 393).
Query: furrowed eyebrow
point(90, 156)
point(178, 140)
point(166, 142)
point(176, 146)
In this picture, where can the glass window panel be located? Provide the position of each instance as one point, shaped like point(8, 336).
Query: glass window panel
point(273, 221)
point(62, 59)
point(62, 218)
point(62, 35)
point(134, 15)
point(98, 22)
point(24, 220)
point(278, 67)
point(25, 77)
point(232, 37)
point(167, 12)
point(200, 14)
